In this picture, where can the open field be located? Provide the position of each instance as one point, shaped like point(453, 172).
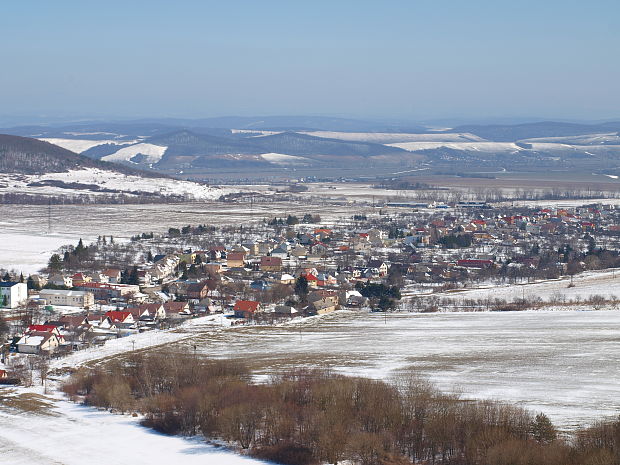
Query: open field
point(562, 363)
point(28, 241)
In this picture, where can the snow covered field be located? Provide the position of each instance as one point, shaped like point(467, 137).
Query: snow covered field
point(18, 183)
point(603, 283)
point(70, 434)
point(563, 363)
point(29, 243)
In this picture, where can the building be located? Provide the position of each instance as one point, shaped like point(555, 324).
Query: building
point(36, 342)
point(13, 294)
point(62, 297)
point(271, 264)
point(246, 308)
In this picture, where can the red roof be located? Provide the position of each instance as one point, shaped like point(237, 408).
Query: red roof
point(118, 316)
point(270, 261)
point(249, 306)
point(42, 328)
point(311, 277)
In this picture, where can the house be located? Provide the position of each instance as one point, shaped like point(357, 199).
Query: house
point(38, 342)
point(3, 374)
point(285, 310)
point(59, 279)
point(246, 308)
point(80, 278)
point(177, 309)
point(120, 317)
point(235, 259)
point(155, 311)
point(63, 297)
point(104, 291)
point(113, 275)
point(323, 301)
point(101, 322)
point(380, 265)
point(46, 328)
point(147, 312)
point(198, 291)
point(271, 264)
point(473, 263)
point(13, 294)
point(285, 278)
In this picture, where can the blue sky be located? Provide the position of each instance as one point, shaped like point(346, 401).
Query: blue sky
point(416, 60)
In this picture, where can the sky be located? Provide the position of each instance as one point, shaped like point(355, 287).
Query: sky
point(413, 60)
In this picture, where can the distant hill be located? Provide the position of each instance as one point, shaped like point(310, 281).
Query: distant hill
point(292, 143)
point(515, 132)
point(23, 155)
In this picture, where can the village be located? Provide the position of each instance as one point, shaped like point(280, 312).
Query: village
point(399, 258)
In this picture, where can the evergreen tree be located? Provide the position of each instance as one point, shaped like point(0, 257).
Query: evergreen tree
point(55, 263)
point(21, 277)
point(7, 277)
point(149, 257)
point(301, 287)
point(133, 276)
point(543, 430)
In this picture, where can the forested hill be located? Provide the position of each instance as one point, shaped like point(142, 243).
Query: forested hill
point(23, 155)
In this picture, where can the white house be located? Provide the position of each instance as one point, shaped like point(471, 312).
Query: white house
point(37, 342)
point(68, 298)
point(13, 294)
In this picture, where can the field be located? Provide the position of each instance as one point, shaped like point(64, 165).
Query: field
point(31, 236)
point(559, 362)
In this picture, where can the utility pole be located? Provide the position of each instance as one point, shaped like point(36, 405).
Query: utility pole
point(49, 215)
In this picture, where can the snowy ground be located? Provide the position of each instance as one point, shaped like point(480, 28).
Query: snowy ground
point(30, 242)
point(152, 152)
point(70, 434)
point(563, 363)
point(61, 432)
point(605, 283)
point(18, 183)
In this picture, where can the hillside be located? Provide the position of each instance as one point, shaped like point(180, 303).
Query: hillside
point(23, 155)
point(32, 171)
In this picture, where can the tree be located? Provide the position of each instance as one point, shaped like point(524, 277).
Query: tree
point(4, 328)
point(543, 430)
point(149, 257)
point(55, 263)
point(7, 277)
point(133, 276)
point(290, 220)
point(31, 284)
point(301, 287)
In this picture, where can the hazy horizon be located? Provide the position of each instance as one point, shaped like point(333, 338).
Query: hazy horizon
point(402, 61)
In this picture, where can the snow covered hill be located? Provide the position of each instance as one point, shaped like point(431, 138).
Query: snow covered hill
point(97, 182)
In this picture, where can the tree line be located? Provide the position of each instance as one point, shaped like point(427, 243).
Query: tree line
point(312, 417)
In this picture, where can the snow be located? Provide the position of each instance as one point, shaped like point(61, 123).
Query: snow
point(561, 362)
point(152, 152)
point(110, 180)
point(282, 159)
point(29, 252)
point(388, 137)
point(206, 325)
point(76, 435)
point(587, 284)
point(80, 145)
point(471, 146)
